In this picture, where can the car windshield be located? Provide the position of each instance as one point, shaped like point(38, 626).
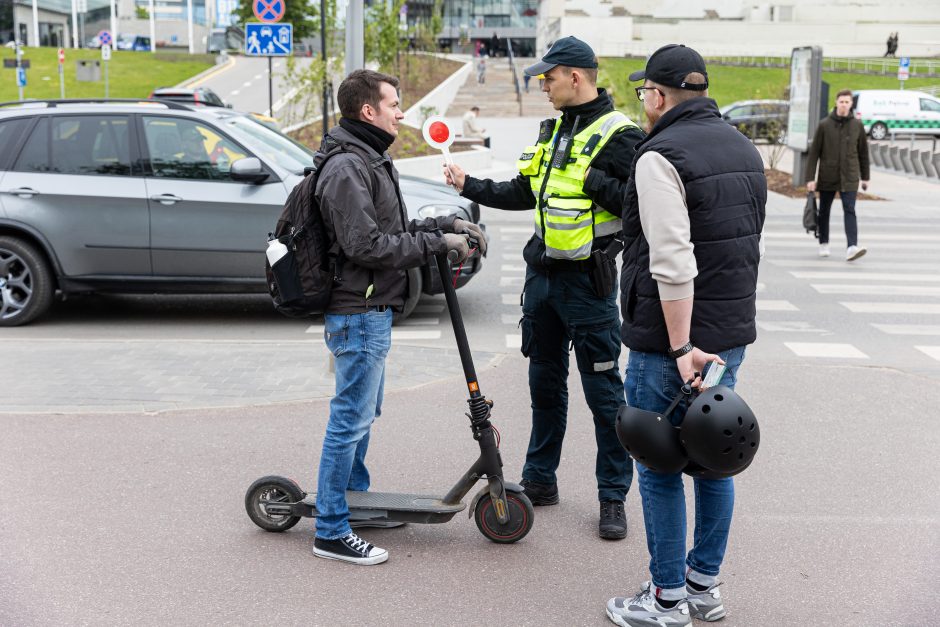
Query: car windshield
point(271, 144)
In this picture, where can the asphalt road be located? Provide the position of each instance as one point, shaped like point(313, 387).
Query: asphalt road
point(135, 517)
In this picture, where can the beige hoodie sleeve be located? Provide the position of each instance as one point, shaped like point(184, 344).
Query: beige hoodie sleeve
point(664, 217)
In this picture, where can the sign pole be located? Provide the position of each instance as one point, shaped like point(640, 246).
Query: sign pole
point(105, 79)
point(61, 73)
point(326, 93)
point(270, 90)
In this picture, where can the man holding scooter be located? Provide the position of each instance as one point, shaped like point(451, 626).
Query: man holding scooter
point(374, 244)
point(570, 294)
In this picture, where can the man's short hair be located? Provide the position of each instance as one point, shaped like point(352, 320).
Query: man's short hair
point(475, 108)
point(678, 95)
point(844, 92)
point(590, 73)
point(359, 88)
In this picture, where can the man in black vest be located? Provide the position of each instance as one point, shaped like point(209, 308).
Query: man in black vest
point(693, 215)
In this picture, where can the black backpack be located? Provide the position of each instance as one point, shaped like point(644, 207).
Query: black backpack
point(301, 280)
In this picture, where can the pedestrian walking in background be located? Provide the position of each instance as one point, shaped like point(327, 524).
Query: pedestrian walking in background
point(570, 293)
point(693, 213)
point(840, 147)
point(472, 128)
point(481, 71)
point(525, 80)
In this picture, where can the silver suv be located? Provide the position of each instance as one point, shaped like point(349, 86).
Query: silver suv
point(156, 197)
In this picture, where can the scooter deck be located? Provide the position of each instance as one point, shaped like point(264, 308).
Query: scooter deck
point(395, 502)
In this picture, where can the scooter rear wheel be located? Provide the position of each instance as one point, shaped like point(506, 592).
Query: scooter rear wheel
point(521, 518)
point(272, 489)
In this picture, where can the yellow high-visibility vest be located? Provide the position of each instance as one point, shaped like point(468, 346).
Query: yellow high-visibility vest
point(565, 218)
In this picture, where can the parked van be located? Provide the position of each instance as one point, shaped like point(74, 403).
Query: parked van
point(884, 111)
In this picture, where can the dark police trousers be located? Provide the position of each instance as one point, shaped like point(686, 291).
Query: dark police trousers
point(561, 310)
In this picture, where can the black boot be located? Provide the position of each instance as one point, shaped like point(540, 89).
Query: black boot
point(540, 493)
point(613, 524)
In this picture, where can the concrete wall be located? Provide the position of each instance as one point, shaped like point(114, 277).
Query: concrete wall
point(475, 160)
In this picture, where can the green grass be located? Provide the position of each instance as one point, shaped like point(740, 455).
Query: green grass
point(729, 83)
point(130, 74)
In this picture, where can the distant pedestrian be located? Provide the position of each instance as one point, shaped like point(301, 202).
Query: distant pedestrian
point(494, 45)
point(525, 79)
point(841, 149)
point(481, 71)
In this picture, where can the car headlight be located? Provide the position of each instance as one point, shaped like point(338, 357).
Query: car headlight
point(440, 211)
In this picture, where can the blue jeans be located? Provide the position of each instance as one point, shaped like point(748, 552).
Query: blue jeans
point(561, 310)
point(652, 382)
point(360, 343)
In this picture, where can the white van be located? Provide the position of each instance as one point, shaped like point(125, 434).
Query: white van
point(884, 111)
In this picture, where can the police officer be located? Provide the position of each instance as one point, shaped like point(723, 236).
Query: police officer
point(570, 295)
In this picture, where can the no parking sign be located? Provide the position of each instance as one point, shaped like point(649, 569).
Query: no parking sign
point(269, 10)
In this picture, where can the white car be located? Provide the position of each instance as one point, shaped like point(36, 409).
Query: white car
point(884, 111)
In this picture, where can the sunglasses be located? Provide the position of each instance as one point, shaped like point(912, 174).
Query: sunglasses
point(642, 96)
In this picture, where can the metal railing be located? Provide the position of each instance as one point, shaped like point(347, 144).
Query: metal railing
point(919, 68)
point(513, 73)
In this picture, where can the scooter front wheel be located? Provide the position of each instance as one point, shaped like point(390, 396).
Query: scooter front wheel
point(267, 491)
point(521, 518)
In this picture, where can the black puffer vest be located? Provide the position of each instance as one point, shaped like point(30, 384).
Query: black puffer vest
point(726, 192)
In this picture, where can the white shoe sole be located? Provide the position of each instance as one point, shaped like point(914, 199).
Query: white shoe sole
point(362, 561)
point(858, 253)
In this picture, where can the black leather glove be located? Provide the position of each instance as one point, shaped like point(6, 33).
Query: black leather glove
point(473, 230)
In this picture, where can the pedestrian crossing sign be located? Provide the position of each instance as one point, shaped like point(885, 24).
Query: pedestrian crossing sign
point(268, 40)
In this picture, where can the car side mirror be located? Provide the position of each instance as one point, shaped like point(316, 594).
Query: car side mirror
point(248, 170)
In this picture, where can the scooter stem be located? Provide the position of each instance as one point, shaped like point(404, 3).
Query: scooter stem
point(460, 333)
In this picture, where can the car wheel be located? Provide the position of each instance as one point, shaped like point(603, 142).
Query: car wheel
point(25, 283)
point(415, 288)
point(878, 131)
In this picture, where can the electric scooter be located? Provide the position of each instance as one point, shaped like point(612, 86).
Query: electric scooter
point(503, 513)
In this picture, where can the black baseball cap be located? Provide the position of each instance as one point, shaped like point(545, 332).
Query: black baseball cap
point(670, 65)
point(568, 51)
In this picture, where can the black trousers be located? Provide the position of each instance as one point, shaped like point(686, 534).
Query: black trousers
point(848, 215)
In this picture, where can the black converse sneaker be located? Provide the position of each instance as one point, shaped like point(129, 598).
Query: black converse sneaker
point(350, 548)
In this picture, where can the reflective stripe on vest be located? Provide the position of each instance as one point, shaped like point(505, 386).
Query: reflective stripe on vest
point(570, 219)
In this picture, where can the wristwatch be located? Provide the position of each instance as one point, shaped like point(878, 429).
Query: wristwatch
point(679, 352)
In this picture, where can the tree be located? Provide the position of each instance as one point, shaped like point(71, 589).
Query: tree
point(383, 33)
point(304, 15)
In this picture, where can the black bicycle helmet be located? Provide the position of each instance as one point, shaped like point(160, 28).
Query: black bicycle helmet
point(720, 432)
point(651, 439)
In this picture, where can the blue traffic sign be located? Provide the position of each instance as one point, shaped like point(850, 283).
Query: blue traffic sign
point(21, 77)
point(268, 40)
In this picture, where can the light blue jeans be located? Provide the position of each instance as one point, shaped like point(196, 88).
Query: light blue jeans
point(652, 382)
point(360, 343)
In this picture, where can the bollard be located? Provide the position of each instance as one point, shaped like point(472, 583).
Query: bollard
point(894, 159)
point(936, 163)
point(926, 160)
point(875, 152)
point(904, 154)
point(916, 162)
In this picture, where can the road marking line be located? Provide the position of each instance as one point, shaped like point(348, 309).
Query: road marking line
point(868, 276)
point(761, 287)
point(908, 329)
point(416, 335)
point(877, 237)
point(930, 351)
point(429, 309)
point(805, 263)
point(876, 290)
point(512, 319)
point(219, 69)
point(796, 326)
point(892, 308)
point(417, 321)
point(513, 341)
point(247, 84)
point(511, 281)
point(234, 92)
point(509, 267)
point(822, 349)
point(510, 299)
point(775, 305)
point(515, 229)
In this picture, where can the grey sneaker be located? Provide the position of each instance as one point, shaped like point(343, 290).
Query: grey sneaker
point(707, 605)
point(643, 610)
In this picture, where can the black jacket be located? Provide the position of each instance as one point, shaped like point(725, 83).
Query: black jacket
point(614, 160)
point(365, 215)
point(841, 149)
point(726, 192)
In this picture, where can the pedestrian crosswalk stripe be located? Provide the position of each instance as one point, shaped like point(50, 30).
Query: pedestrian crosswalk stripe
point(512, 319)
point(930, 351)
point(775, 305)
point(874, 237)
point(851, 273)
point(795, 326)
point(434, 308)
point(876, 290)
point(802, 262)
point(824, 349)
point(511, 281)
point(417, 321)
point(513, 341)
point(508, 267)
point(397, 334)
point(908, 329)
point(510, 299)
point(516, 229)
point(892, 308)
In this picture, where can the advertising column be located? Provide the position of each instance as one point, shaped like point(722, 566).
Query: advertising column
point(805, 103)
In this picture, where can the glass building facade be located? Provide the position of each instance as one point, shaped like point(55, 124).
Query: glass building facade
point(467, 22)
